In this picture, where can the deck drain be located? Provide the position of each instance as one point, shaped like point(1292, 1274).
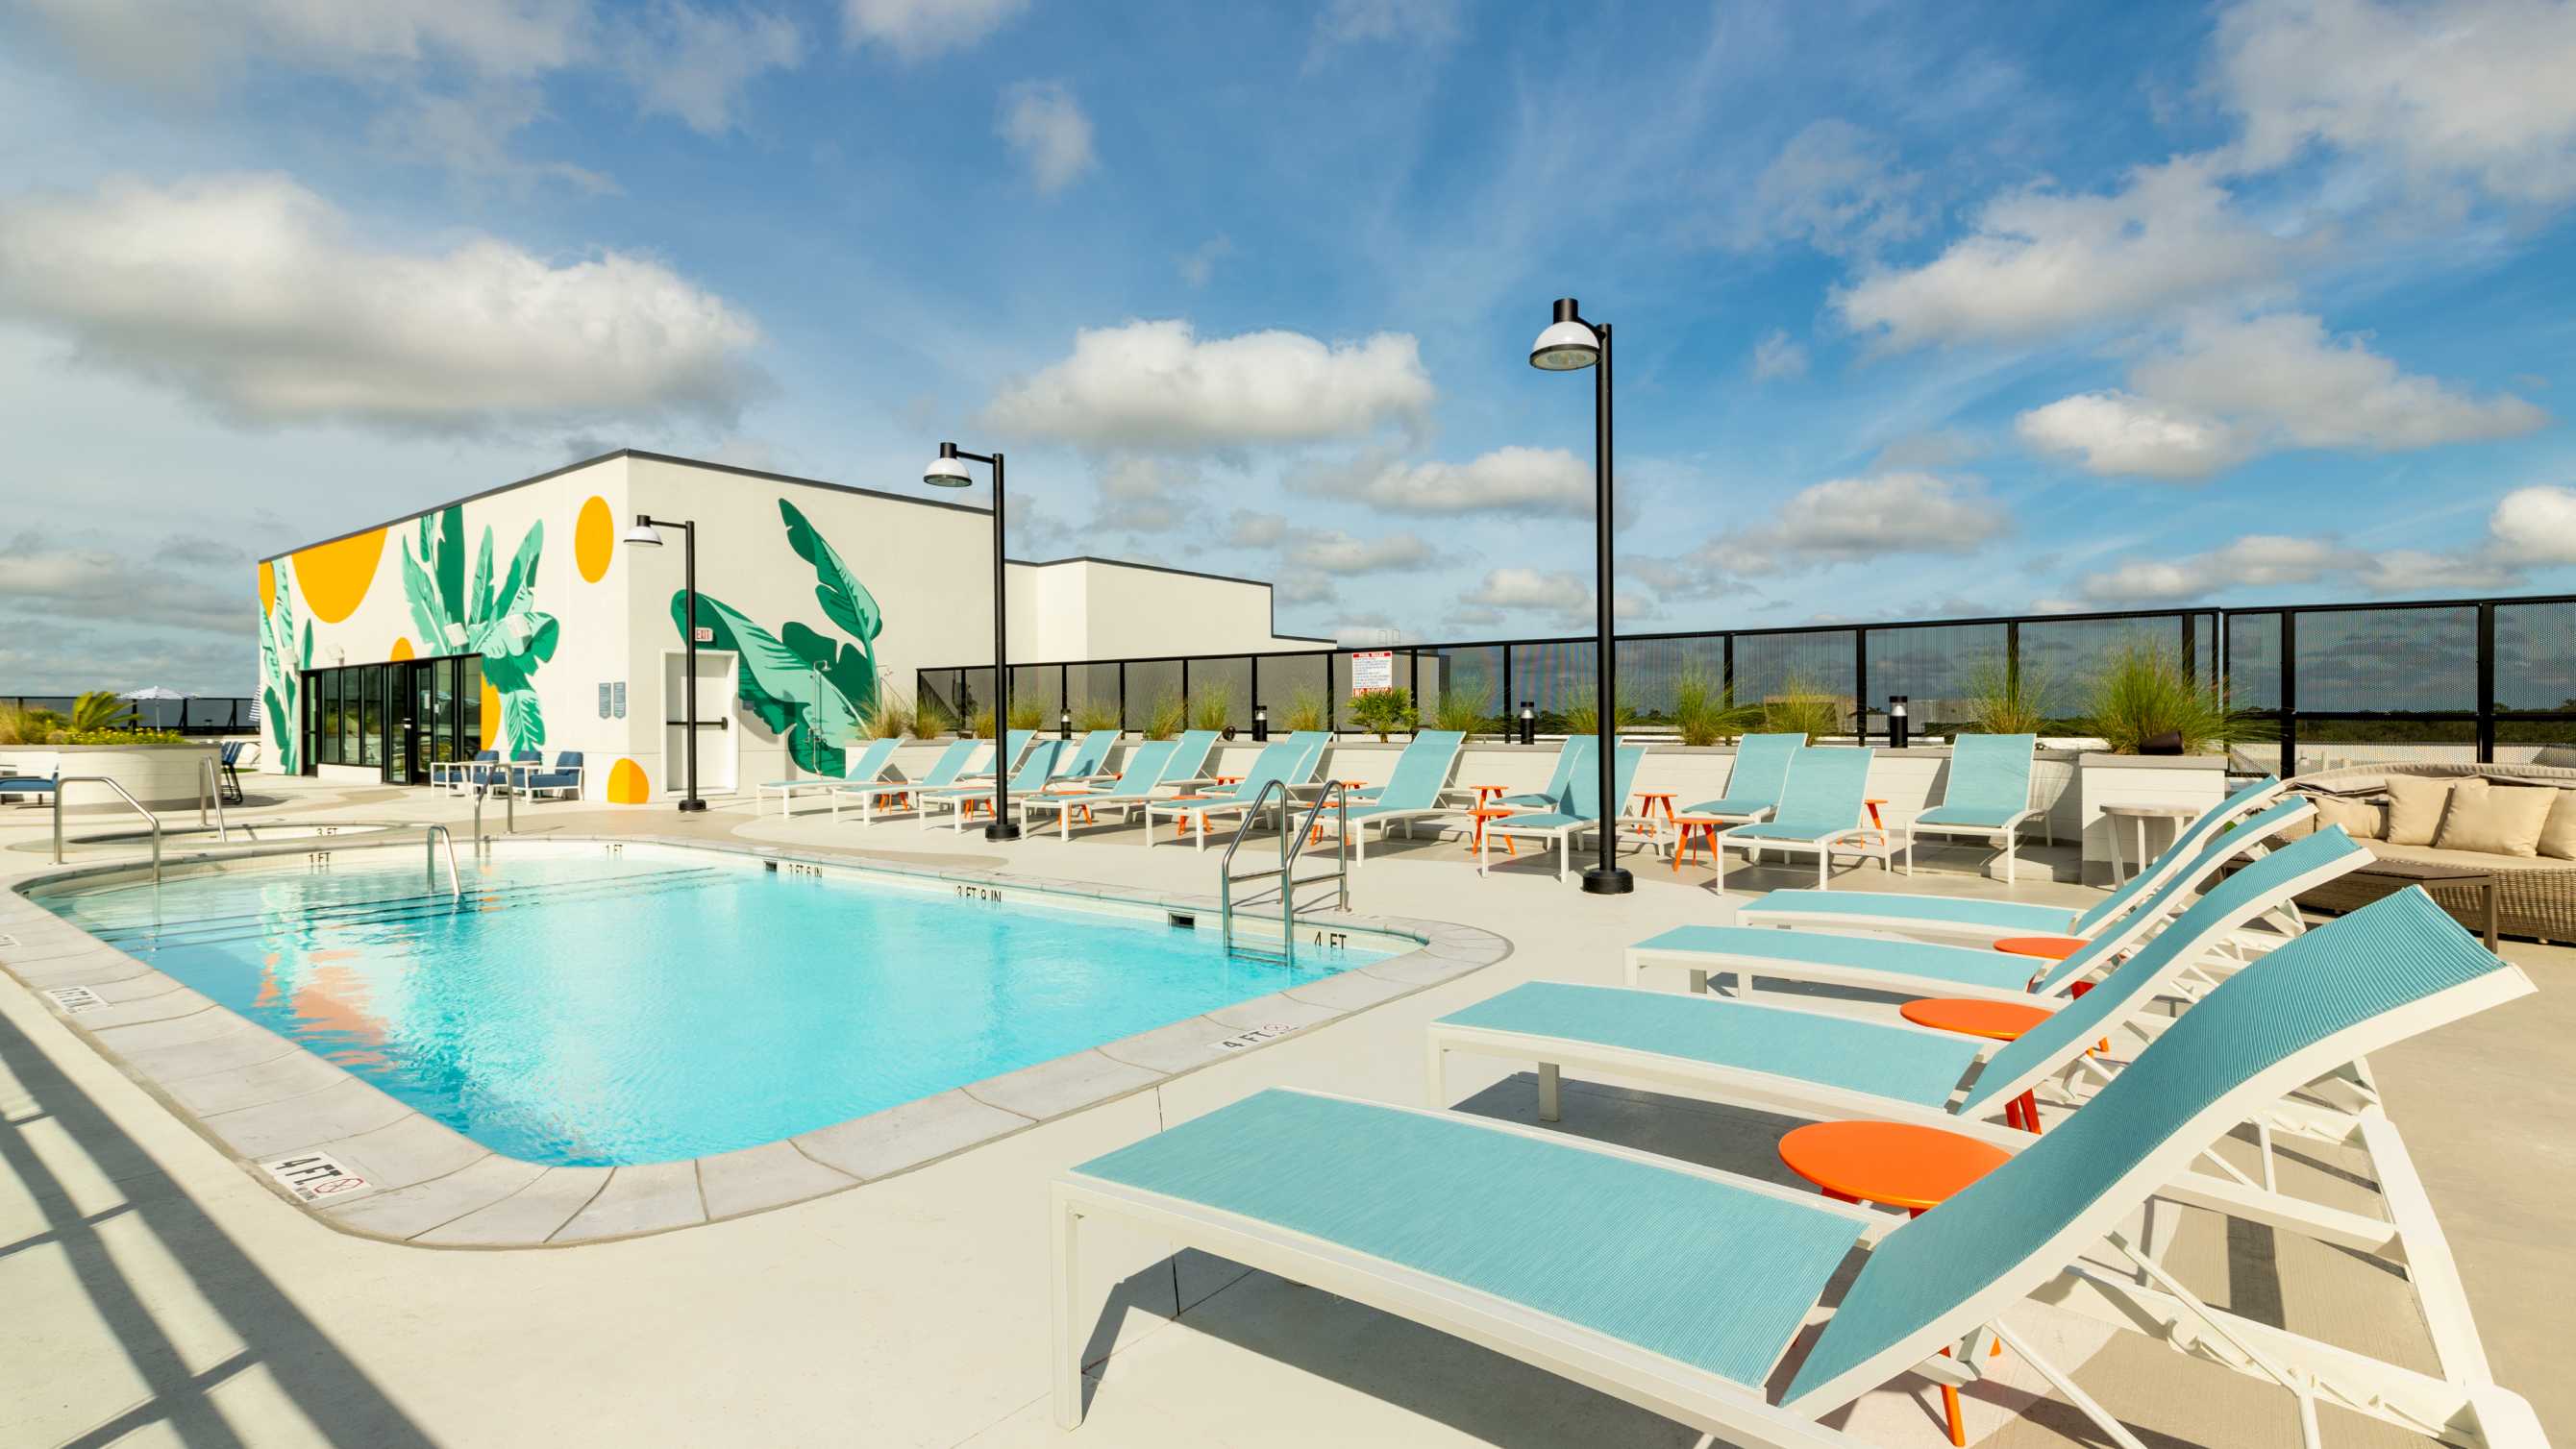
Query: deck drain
point(73, 999)
point(316, 1176)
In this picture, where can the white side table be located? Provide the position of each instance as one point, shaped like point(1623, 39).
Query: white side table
point(2139, 815)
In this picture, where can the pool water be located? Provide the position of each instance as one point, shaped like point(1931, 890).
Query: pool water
point(599, 1010)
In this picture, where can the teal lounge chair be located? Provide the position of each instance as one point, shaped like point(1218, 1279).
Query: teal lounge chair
point(1819, 810)
point(1134, 786)
point(1701, 1295)
point(1577, 810)
point(944, 773)
point(1188, 764)
point(1289, 762)
point(960, 799)
point(1753, 785)
point(1577, 753)
point(869, 764)
point(1015, 747)
point(1923, 968)
point(1412, 793)
point(1987, 793)
point(1983, 922)
point(1830, 1065)
point(1082, 759)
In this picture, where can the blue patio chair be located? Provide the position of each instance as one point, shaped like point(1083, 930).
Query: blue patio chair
point(563, 779)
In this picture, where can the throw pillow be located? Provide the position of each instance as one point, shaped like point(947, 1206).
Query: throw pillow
point(2415, 808)
point(2494, 820)
point(2360, 819)
point(2558, 836)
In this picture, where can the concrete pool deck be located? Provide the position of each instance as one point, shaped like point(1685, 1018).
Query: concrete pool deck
point(158, 1290)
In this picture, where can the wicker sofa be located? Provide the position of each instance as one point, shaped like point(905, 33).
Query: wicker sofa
point(2535, 894)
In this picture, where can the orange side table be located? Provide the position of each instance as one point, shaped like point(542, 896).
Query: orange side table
point(1993, 1020)
point(1703, 828)
point(1897, 1165)
point(2046, 948)
point(1483, 813)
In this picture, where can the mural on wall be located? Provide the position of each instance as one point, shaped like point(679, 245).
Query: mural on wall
point(496, 618)
point(284, 654)
point(813, 690)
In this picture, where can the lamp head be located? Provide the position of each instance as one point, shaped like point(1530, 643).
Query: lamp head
point(945, 471)
point(642, 535)
point(1569, 344)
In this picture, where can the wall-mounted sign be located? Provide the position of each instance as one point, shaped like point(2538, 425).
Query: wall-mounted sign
point(706, 635)
point(620, 688)
point(1373, 670)
point(604, 699)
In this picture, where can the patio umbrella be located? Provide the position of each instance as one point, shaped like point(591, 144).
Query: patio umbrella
point(154, 692)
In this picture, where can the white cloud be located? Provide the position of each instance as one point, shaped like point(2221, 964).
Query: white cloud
point(2413, 570)
point(1156, 384)
point(2256, 561)
point(186, 582)
point(1304, 589)
point(693, 63)
point(1336, 552)
point(2475, 89)
point(254, 296)
point(1527, 482)
point(469, 133)
point(2232, 389)
point(1198, 265)
point(1250, 528)
point(190, 44)
point(1776, 356)
point(2041, 262)
point(1044, 123)
point(2115, 433)
point(1142, 493)
point(2535, 526)
point(918, 29)
point(1521, 588)
point(1834, 187)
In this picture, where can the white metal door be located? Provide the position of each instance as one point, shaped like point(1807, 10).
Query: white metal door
point(719, 743)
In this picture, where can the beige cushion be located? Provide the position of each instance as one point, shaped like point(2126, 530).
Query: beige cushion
point(2360, 819)
point(2496, 820)
point(2558, 834)
point(2415, 808)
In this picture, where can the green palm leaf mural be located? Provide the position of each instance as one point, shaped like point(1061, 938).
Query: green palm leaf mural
point(283, 656)
point(814, 691)
point(498, 620)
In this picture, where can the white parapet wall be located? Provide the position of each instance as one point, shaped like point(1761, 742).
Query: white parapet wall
point(2194, 782)
point(162, 777)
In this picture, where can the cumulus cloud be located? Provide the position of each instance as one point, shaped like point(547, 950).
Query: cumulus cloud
point(1523, 588)
point(1834, 187)
point(2039, 262)
point(190, 44)
point(186, 582)
point(2256, 561)
point(694, 64)
point(2475, 89)
point(1251, 528)
point(1198, 265)
point(1336, 552)
point(1158, 385)
point(2534, 526)
point(256, 297)
point(1776, 356)
point(1516, 481)
point(1044, 123)
point(1142, 493)
point(2528, 528)
point(918, 29)
point(2232, 389)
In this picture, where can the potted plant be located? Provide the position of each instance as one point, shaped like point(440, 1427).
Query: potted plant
point(1801, 708)
point(2004, 701)
point(1704, 712)
point(1385, 710)
point(1169, 717)
point(2145, 704)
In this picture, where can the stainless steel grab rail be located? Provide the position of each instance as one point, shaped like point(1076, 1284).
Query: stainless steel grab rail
point(1292, 844)
point(123, 794)
point(209, 787)
point(431, 837)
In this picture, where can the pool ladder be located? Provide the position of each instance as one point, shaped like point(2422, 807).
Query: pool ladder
point(1292, 844)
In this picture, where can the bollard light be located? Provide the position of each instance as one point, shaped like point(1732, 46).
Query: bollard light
point(1529, 723)
point(1260, 723)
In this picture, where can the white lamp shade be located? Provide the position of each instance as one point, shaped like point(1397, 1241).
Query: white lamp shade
point(946, 473)
point(1565, 347)
point(643, 535)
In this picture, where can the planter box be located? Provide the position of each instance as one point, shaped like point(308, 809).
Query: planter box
point(2194, 781)
point(163, 777)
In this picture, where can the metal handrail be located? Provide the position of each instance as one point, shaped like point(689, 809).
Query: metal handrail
point(1292, 843)
point(431, 836)
point(211, 788)
point(122, 793)
point(509, 807)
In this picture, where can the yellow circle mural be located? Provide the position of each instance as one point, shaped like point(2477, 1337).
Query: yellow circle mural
point(335, 575)
point(594, 539)
point(627, 785)
point(491, 714)
point(401, 650)
point(267, 588)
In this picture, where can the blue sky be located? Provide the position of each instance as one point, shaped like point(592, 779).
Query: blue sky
point(1920, 310)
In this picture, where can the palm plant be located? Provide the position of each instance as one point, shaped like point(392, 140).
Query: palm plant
point(1705, 711)
point(2143, 696)
point(100, 709)
point(1385, 710)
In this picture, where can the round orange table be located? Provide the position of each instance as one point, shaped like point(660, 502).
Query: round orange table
point(1650, 800)
point(2046, 948)
point(1702, 827)
point(1897, 1165)
point(1483, 813)
point(1488, 792)
point(1993, 1020)
point(1225, 779)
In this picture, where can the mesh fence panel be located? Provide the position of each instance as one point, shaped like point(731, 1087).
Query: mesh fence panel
point(1294, 683)
point(1222, 683)
point(1938, 667)
point(2388, 660)
point(2535, 660)
point(2254, 661)
point(1154, 692)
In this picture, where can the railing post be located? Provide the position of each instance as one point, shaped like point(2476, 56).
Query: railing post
point(2289, 693)
point(2486, 683)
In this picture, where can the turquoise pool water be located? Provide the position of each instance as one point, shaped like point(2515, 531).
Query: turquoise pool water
point(599, 1010)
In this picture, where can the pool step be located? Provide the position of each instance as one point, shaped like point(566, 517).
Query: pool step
point(215, 931)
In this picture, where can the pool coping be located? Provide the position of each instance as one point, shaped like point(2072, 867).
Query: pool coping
point(381, 1169)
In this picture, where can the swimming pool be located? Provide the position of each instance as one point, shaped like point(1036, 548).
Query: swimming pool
point(611, 1006)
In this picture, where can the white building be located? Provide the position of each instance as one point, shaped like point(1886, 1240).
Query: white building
point(515, 619)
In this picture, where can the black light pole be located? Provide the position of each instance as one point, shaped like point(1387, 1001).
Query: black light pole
point(1571, 344)
point(947, 471)
point(647, 533)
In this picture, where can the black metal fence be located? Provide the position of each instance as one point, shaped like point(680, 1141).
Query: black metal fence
point(2469, 680)
point(199, 715)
